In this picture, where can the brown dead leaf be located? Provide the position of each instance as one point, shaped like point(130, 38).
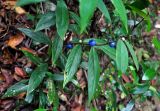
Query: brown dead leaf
point(28, 50)
point(8, 79)
point(7, 57)
point(2, 77)
point(125, 78)
point(7, 105)
point(21, 95)
point(81, 78)
point(78, 108)
point(20, 72)
point(9, 4)
point(7, 75)
point(15, 40)
point(16, 77)
point(62, 96)
point(153, 82)
point(20, 10)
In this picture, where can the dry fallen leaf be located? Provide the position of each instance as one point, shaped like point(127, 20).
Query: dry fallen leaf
point(9, 4)
point(78, 108)
point(16, 77)
point(28, 50)
point(19, 71)
point(8, 80)
point(21, 95)
point(125, 78)
point(6, 58)
point(20, 10)
point(7, 75)
point(7, 104)
point(15, 40)
point(81, 78)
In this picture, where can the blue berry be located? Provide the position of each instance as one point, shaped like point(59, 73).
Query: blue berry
point(112, 44)
point(92, 42)
point(69, 46)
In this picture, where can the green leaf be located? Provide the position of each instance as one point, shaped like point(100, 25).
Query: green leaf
point(35, 59)
point(40, 109)
point(130, 47)
point(120, 8)
point(121, 56)
point(111, 103)
point(87, 8)
point(16, 89)
point(46, 20)
point(56, 77)
point(140, 4)
point(129, 106)
point(37, 36)
point(57, 46)
point(62, 18)
point(142, 14)
point(72, 64)
point(27, 2)
point(155, 91)
point(93, 73)
point(108, 50)
point(74, 28)
point(75, 17)
point(134, 75)
point(140, 89)
point(52, 93)
point(149, 74)
point(104, 10)
point(156, 42)
point(42, 99)
point(37, 77)
point(29, 97)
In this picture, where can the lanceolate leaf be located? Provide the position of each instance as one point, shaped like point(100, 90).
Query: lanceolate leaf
point(56, 48)
point(133, 54)
point(35, 59)
point(29, 97)
point(120, 8)
point(108, 50)
point(75, 17)
point(16, 89)
point(87, 8)
point(72, 64)
point(52, 94)
point(37, 36)
point(156, 42)
point(93, 73)
point(27, 2)
point(140, 89)
point(121, 56)
point(46, 21)
point(62, 18)
point(37, 77)
point(149, 74)
point(104, 10)
point(42, 99)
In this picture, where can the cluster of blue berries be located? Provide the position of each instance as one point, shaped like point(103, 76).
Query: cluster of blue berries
point(112, 44)
point(92, 43)
point(69, 46)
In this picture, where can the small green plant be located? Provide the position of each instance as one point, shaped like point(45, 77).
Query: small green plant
point(84, 51)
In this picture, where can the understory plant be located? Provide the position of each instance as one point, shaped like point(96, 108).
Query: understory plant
point(100, 37)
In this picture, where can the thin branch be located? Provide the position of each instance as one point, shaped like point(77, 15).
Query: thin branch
point(136, 25)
